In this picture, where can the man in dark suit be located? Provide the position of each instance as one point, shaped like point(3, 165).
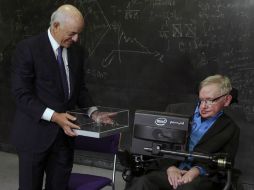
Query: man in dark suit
point(212, 131)
point(48, 80)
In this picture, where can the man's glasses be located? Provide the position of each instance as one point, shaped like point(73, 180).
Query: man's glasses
point(210, 102)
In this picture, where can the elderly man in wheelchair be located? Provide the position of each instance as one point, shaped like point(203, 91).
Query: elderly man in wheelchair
point(205, 151)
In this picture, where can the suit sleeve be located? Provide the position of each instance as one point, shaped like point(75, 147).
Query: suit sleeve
point(22, 82)
point(224, 142)
point(232, 145)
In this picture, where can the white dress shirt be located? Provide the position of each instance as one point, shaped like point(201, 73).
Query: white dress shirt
point(47, 114)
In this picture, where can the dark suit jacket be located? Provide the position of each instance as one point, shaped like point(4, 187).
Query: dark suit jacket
point(222, 137)
point(36, 85)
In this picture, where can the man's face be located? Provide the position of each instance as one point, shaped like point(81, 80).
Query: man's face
point(68, 33)
point(212, 101)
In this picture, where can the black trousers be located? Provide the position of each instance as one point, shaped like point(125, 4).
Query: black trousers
point(157, 180)
point(56, 163)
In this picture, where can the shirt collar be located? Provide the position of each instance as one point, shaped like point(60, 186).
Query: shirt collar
point(53, 42)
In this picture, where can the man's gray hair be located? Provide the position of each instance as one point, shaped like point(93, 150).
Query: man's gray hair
point(221, 81)
point(57, 16)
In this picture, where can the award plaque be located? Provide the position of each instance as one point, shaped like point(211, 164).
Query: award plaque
point(109, 121)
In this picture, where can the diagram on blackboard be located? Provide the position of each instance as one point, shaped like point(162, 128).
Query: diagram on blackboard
point(101, 26)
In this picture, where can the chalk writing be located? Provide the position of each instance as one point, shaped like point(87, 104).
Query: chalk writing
point(131, 14)
point(96, 73)
point(183, 30)
point(156, 3)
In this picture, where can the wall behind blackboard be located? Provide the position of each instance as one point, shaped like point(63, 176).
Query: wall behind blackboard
point(144, 54)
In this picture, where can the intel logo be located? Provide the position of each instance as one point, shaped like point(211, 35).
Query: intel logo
point(160, 121)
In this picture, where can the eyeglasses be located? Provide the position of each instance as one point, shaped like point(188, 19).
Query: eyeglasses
point(210, 102)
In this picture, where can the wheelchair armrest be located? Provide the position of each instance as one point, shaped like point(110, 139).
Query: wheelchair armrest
point(232, 178)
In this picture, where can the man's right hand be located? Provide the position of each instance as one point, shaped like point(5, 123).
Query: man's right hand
point(64, 120)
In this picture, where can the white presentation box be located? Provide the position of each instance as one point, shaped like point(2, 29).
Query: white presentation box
point(119, 122)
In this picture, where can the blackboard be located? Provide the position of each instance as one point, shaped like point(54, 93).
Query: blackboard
point(144, 54)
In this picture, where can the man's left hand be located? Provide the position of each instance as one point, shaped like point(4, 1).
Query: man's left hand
point(189, 176)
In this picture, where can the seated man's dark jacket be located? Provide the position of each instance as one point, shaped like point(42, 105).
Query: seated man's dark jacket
point(222, 137)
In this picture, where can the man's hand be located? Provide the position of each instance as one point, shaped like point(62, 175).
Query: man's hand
point(189, 175)
point(178, 177)
point(64, 120)
point(175, 176)
point(103, 117)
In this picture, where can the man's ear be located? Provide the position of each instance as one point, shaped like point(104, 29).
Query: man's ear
point(228, 100)
point(56, 24)
point(55, 27)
